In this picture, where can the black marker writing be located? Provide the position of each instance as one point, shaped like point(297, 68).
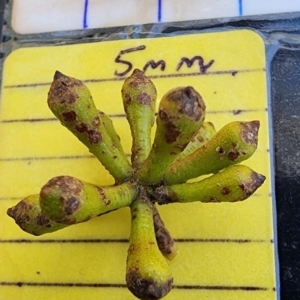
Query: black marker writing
point(154, 65)
point(125, 62)
point(189, 62)
point(161, 64)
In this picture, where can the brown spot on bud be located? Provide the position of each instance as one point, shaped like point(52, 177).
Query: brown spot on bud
point(103, 196)
point(81, 127)
point(192, 103)
point(69, 190)
point(69, 116)
point(12, 211)
point(162, 197)
point(233, 155)
point(164, 240)
point(20, 213)
point(138, 74)
point(63, 89)
point(95, 137)
point(134, 83)
point(66, 184)
point(58, 75)
point(24, 206)
point(249, 132)
point(96, 121)
point(163, 115)
point(144, 98)
point(225, 191)
point(172, 132)
point(146, 288)
point(43, 221)
point(135, 151)
point(250, 186)
point(220, 150)
point(20, 209)
point(71, 205)
point(127, 99)
point(138, 80)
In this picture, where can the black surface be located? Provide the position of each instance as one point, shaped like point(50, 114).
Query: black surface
point(2, 8)
point(286, 120)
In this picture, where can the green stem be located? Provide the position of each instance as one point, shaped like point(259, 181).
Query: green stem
point(234, 143)
point(180, 116)
point(68, 200)
point(236, 183)
point(204, 134)
point(109, 126)
point(28, 215)
point(165, 242)
point(139, 99)
point(148, 274)
point(71, 102)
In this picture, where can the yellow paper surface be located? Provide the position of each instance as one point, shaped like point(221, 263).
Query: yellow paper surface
point(226, 251)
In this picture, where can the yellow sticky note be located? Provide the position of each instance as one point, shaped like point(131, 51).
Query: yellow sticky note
point(226, 251)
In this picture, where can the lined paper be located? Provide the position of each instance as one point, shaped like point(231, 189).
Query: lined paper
point(35, 16)
point(226, 251)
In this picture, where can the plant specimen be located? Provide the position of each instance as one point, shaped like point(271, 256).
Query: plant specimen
point(184, 147)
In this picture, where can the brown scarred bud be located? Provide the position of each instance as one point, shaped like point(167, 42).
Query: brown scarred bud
point(180, 116)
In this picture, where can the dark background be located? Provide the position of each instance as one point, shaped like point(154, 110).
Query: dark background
point(285, 72)
point(282, 36)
